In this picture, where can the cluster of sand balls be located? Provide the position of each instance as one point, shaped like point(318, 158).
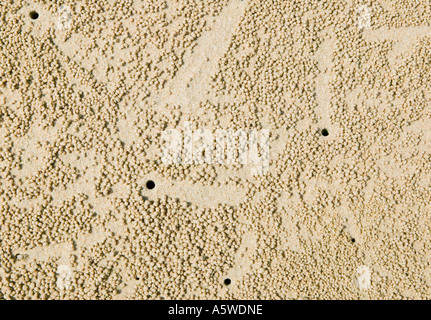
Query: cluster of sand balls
point(81, 115)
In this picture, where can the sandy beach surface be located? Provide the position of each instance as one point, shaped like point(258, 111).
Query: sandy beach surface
point(117, 182)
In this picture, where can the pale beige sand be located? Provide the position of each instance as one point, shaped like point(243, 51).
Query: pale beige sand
point(87, 89)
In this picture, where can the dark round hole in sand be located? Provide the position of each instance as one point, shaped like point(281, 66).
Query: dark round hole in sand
point(353, 240)
point(34, 15)
point(227, 281)
point(150, 184)
point(325, 132)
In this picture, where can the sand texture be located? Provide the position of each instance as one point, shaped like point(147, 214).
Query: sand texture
point(338, 91)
